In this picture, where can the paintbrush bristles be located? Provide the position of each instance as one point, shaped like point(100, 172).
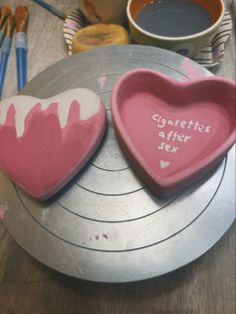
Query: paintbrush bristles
point(5, 12)
point(21, 16)
point(10, 23)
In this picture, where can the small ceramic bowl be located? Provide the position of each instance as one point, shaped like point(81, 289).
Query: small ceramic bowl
point(104, 11)
point(189, 45)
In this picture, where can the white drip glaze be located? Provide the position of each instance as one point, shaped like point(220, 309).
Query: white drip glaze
point(89, 102)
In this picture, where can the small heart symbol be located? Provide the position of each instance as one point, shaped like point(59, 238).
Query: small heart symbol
point(45, 142)
point(164, 164)
point(190, 123)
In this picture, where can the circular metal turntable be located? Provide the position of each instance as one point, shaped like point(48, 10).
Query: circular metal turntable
point(105, 225)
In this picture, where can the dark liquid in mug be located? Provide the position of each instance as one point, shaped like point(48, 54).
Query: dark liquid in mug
point(173, 18)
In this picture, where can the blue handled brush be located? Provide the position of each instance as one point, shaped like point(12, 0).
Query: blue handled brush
point(6, 47)
point(51, 9)
point(22, 16)
point(5, 11)
point(2, 34)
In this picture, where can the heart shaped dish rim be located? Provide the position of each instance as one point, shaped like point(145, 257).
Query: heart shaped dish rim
point(165, 186)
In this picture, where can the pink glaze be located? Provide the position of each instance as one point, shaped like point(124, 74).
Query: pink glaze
point(191, 70)
point(102, 81)
point(3, 210)
point(47, 156)
point(173, 132)
point(71, 24)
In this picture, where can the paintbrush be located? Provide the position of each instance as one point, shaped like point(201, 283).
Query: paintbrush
point(51, 9)
point(21, 17)
point(6, 47)
point(2, 33)
point(4, 13)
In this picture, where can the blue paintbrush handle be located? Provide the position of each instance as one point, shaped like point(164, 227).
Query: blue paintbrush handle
point(51, 9)
point(2, 35)
point(21, 67)
point(6, 47)
point(3, 67)
point(21, 59)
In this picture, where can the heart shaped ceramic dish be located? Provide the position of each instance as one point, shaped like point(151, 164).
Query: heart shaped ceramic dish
point(173, 132)
point(45, 142)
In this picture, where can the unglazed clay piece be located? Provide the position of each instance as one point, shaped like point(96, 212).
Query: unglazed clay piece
point(45, 142)
point(173, 132)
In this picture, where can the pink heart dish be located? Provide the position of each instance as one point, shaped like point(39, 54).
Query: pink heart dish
point(173, 132)
point(45, 142)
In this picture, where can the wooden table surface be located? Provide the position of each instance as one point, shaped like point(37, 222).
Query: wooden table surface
point(206, 286)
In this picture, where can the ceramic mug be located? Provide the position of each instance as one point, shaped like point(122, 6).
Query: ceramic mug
point(104, 11)
point(188, 45)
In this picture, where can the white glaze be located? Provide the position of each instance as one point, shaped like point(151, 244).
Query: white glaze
point(90, 105)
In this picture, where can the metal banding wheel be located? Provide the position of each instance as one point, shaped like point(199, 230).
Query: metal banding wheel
point(105, 225)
